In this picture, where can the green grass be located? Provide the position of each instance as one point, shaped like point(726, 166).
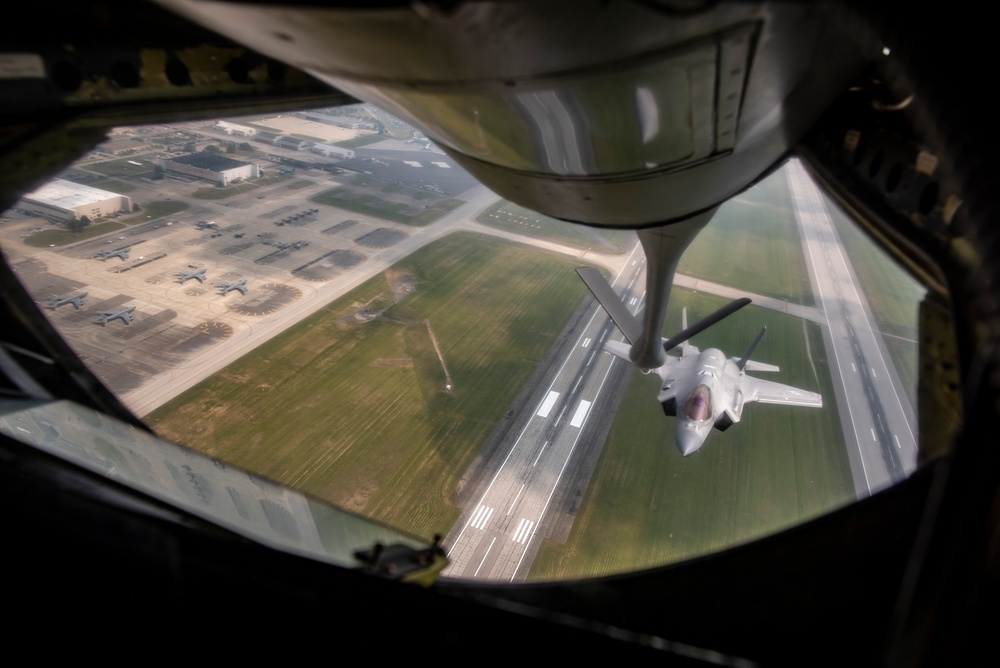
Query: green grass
point(302, 183)
point(360, 140)
point(223, 193)
point(322, 409)
point(112, 185)
point(342, 198)
point(508, 216)
point(122, 167)
point(893, 295)
point(753, 242)
point(646, 505)
point(157, 209)
point(65, 237)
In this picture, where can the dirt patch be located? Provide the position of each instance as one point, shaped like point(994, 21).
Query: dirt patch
point(361, 496)
point(401, 283)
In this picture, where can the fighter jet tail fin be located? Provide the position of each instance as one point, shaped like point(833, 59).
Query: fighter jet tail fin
point(703, 324)
point(746, 358)
point(608, 299)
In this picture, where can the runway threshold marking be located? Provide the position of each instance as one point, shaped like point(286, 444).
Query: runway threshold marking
point(482, 516)
point(523, 531)
point(586, 342)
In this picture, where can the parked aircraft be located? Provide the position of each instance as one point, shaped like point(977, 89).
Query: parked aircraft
point(74, 299)
point(117, 252)
point(240, 285)
point(184, 275)
point(125, 315)
point(703, 389)
point(205, 224)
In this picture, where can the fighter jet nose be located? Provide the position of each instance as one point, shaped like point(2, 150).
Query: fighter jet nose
point(688, 441)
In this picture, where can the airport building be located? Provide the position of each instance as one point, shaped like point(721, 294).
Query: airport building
point(65, 200)
point(211, 167)
point(331, 151)
point(293, 143)
point(235, 129)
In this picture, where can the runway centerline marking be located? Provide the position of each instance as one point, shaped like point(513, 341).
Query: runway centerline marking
point(540, 453)
point(514, 502)
point(484, 556)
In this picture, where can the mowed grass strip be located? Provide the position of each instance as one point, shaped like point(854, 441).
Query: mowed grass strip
point(647, 506)
point(343, 198)
point(356, 413)
point(65, 237)
point(753, 242)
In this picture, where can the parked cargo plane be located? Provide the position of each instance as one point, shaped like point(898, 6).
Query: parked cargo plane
point(702, 389)
point(183, 276)
point(125, 315)
point(240, 285)
point(118, 252)
point(76, 300)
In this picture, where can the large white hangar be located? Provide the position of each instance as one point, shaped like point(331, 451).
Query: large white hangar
point(64, 201)
point(212, 167)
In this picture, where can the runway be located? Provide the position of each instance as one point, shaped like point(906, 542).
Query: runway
point(497, 536)
point(878, 421)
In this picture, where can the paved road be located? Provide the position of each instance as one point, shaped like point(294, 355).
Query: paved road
point(879, 424)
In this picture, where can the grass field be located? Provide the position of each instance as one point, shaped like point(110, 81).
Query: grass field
point(65, 237)
point(222, 193)
point(112, 185)
point(506, 215)
point(646, 505)
point(753, 242)
point(893, 295)
point(355, 413)
point(157, 209)
point(123, 167)
point(344, 198)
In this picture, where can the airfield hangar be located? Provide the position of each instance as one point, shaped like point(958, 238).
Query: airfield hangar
point(211, 167)
point(65, 200)
point(331, 151)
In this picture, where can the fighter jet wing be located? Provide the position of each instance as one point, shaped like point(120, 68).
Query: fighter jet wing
point(768, 392)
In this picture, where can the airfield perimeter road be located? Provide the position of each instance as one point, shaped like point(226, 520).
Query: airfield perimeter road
point(165, 386)
point(876, 415)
